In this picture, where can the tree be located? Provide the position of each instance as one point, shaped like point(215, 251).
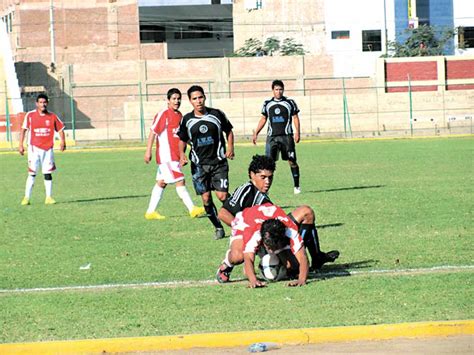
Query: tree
point(250, 48)
point(422, 41)
point(290, 47)
point(271, 45)
point(254, 47)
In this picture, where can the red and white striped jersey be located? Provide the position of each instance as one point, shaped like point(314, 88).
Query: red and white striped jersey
point(165, 125)
point(41, 127)
point(248, 223)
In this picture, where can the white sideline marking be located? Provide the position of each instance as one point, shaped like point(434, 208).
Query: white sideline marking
point(321, 275)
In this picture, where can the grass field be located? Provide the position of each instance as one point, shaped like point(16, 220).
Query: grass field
point(386, 205)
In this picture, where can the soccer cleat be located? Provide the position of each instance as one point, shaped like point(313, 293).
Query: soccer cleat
point(197, 212)
point(297, 190)
point(25, 201)
point(324, 258)
point(154, 215)
point(223, 273)
point(49, 201)
point(219, 233)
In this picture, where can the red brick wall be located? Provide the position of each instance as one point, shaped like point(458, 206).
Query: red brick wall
point(417, 71)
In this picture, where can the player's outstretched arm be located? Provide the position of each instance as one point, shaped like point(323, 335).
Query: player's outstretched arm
point(303, 274)
point(249, 269)
point(149, 147)
point(260, 125)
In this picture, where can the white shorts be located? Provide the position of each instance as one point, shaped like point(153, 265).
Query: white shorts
point(38, 157)
point(169, 172)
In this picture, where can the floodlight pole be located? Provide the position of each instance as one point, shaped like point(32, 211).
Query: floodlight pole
point(51, 31)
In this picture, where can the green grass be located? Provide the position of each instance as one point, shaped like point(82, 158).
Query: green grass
point(384, 204)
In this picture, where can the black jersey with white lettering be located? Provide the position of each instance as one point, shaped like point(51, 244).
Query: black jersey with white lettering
point(205, 135)
point(279, 114)
point(246, 195)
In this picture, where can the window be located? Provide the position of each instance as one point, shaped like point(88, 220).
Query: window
point(340, 35)
point(194, 31)
point(371, 41)
point(466, 37)
point(152, 34)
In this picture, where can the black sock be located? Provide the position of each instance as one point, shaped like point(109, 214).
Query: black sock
point(309, 234)
point(212, 215)
point(295, 171)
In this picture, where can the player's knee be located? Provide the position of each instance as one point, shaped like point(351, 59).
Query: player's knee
point(48, 177)
point(304, 214)
point(236, 257)
point(161, 184)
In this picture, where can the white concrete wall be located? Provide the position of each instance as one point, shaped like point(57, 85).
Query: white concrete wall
point(463, 11)
point(356, 16)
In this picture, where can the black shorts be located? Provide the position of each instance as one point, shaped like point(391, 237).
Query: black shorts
point(210, 177)
point(281, 144)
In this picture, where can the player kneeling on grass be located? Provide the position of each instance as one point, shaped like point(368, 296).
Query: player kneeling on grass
point(163, 131)
point(265, 227)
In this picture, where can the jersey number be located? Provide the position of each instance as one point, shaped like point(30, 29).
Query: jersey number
point(224, 183)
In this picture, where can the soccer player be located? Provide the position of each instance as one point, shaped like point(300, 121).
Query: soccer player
point(254, 192)
point(203, 130)
point(269, 227)
point(280, 112)
point(41, 125)
point(163, 131)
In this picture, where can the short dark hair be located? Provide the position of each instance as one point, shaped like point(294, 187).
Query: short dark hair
point(173, 91)
point(261, 162)
point(195, 88)
point(278, 83)
point(42, 96)
point(273, 234)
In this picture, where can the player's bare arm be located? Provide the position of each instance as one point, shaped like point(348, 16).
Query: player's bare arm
point(260, 125)
point(182, 153)
point(21, 148)
point(149, 147)
point(249, 269)
point(296, 121)
point(62, 144)
point(230, 146)
point(303, 272)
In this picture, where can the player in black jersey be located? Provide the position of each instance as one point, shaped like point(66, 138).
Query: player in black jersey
point(203, 129)
point(281, 112)
point(254, 193)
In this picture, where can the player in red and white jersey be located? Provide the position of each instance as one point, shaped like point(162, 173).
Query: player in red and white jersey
point(163, 131)
point(41, 126)
point(267, 226)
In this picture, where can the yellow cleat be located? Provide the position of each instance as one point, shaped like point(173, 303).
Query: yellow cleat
point(49, 201)
point(154, 215)
point(25, 201)
point(197, 212)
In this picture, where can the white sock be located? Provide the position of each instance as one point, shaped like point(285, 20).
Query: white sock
point(48, 185)
point(30, 181)
point(226, 259)
point(155, 198)
point(183, 194)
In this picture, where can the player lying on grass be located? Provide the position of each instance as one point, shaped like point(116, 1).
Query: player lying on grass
point(254, 192)
point(266, 228)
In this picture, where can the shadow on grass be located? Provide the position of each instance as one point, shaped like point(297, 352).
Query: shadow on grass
point(347, 188)
point(103, 199)
point(330, 271)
